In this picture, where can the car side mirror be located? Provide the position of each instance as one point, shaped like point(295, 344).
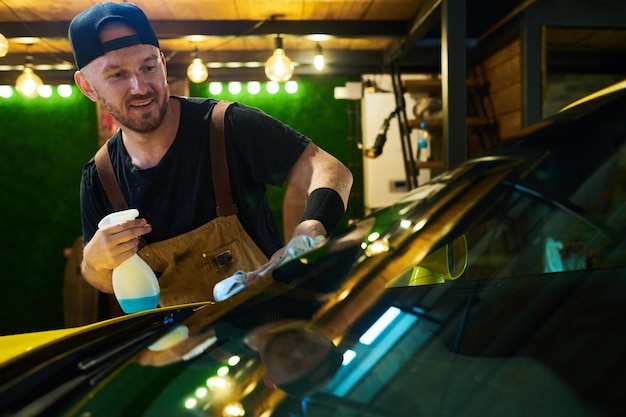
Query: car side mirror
point(445, 264)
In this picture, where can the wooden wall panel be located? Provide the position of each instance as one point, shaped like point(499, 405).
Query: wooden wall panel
point(507, 99)
point(503, 72)
point(510, 124)
point(504, 54)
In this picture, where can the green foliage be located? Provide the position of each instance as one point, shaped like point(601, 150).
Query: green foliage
point(43, 146)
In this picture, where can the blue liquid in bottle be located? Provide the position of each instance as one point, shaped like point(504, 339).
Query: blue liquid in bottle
point(135, 305)
point(135, 285)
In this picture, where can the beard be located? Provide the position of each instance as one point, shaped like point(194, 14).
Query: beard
point(146, 123)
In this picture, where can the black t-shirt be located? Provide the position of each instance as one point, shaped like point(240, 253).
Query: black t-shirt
point(177, 195)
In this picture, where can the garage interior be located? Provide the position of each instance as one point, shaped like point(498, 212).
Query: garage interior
point(495, 67)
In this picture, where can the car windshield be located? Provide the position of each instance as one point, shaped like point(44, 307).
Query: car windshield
point(512, 308)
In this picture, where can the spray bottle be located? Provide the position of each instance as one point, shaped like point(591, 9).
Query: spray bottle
point(423, 138)
point(135, 285)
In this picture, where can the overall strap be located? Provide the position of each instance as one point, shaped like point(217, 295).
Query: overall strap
point(219, 164)
point(104, 167)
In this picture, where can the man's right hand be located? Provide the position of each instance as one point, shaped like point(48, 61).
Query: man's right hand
point(108, 248)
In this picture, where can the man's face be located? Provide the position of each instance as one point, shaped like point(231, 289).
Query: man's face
point(130, 82)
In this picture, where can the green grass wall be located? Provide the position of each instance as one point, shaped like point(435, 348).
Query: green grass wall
point(43, 146)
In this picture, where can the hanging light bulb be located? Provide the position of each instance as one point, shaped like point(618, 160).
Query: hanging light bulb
point(318, 61)
point(28, 83)
point(279, 67)
point(197, 71)
point(4, 45)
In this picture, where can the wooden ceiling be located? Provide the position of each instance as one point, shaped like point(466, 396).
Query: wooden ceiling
point(226, 31)
point(360, 36)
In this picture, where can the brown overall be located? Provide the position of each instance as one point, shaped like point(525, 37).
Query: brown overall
point(192, 263)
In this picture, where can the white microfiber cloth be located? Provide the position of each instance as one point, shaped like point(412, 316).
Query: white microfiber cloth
point(229, 286)
point(297, 247)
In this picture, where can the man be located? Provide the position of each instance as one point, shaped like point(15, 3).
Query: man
point(161, 158)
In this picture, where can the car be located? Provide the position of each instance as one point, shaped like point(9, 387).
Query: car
point(495, 289)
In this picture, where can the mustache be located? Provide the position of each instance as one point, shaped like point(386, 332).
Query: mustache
point(141, 98)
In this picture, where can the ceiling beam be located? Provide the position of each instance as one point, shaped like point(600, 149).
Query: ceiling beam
point(579, 14)
point(170, 29)
point(338, 63)
point(351, 57)
point(179, 71)
point(428, 17)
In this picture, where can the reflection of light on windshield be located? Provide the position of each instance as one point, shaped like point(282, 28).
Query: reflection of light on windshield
point(233, 360)
point(343, 295)
point(233, 410)
point(367, 356)
point(405, 224)
point(173, 337)
point(216, 383)
point(377, 247)
point(221, 387)
point(190, 403)
point(348, 355)
point(217, 387)
point(251, 386)
point(419, 225)
point(381, 324)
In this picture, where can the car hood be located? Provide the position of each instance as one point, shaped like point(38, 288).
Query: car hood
point(81, 369)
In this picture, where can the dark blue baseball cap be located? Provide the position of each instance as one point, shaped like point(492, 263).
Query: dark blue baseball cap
point(85, 27)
